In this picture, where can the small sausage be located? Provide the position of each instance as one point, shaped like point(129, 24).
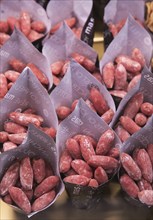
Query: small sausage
point(133, 82)
point(140, 119)
point(4, 38)
point(138, 56)
point(73, 148)
point(118, 93)
point(43, 201)
point(38, 26)
point(98, 101)
point(13, 22)
point(77, 179)
point(128, 63)
point(129, 186)
point(4, 28)
point(133, 105)
point(105, 142)
point(12, 75)
point(82, 168)
point(108, 116)
point(122, 133)
point(129, 125)
point(17, 65)
point(65, 161)
point(26, 174)
point(147, 108)
point(20, 198)
point(93, 183)
point(3, 136)
point(146, 197)
point(8, 145)
point(150, 152)
point(46, 185)
point(24, 119)
point(144, 185)
point(130, 166)
point(105, 161)
point(86, 147)
point(3, 85)
point(120, 75)
point(78, 58)
point(17, 138)
point(144, 163)
point(100, 175)
point(14, 128)
point(9, 179)
point(39, 168)
point(108, 75)
point(89, 65)
point(63, 112)
point(25, 23)
point(56, 67)
point(38, 73)
point(34, 35)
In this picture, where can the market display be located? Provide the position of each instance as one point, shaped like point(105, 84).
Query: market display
point(70, 121)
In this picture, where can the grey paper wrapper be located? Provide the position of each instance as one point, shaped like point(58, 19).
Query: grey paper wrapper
point(131, 36)
point(63, 43)
point(83, 121)
point(145, 86)
point(138, 140)
point(37, 145)
point(66, 9)
point(76, 84)
point(27, 92)
point(18, 46)
point(116, 10)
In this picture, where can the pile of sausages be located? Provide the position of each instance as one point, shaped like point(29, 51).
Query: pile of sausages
point(33, 30)
point(15, 129)
point(30, 184)
point(86, 162)
point(137, 178)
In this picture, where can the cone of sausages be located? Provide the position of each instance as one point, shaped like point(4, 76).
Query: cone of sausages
point(125, 58)
point(21, 106)
point(89, 150)
point(29, 176)
point(27, 16)
point(78, 15)
point(16, 54)
point(79, 83)
point(115, 14)
point(136, 172)
point(135, 109)
point(59, 56)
